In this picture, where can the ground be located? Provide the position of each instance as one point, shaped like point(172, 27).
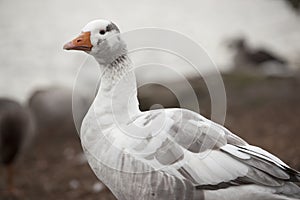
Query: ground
point(263, 111)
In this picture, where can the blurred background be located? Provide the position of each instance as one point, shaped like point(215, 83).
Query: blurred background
point(254, 43)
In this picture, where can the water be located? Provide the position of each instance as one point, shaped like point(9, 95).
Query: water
point(33, 32)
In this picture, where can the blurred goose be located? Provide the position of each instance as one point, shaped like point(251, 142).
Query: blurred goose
point(260, 60)
point(52, 109)
point(257, 56)
point(16, 127)
point(166, 153)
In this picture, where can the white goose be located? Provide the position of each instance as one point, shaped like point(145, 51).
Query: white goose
point(166, 153)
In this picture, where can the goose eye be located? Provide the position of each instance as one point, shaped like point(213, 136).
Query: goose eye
point(102, 32)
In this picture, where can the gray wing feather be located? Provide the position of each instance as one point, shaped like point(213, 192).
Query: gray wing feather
point(202, 134)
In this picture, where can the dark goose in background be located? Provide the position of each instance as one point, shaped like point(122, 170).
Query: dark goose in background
point(254, 56)
point(16, 127)
point(258, 60)
point(52, 109)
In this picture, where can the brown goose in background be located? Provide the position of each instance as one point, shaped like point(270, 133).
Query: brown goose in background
point(52, 109)
point(16, 127)
point(257, 60)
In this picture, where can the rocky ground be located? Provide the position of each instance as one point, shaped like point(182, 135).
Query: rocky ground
point(263, 111)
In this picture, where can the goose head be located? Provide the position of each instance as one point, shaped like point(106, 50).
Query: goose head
point(101, 39)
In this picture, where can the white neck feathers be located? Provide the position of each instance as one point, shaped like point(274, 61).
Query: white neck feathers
point(117, 95)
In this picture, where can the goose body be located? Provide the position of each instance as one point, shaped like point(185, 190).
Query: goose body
point(167, 153)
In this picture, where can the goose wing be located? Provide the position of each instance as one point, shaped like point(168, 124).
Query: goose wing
point(190, 147)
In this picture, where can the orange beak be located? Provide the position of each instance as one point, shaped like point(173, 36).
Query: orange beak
point(82, 43)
